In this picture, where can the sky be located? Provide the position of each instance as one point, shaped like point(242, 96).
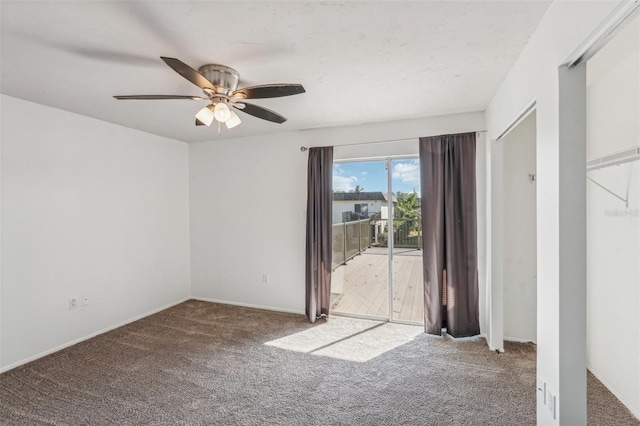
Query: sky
point(372, 176)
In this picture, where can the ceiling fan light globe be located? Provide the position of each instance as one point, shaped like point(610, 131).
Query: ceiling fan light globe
point(233, 120)
point(205, 115)
point(222, 112)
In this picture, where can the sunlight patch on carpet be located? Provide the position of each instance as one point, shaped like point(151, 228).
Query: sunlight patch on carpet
point(323, 334)
point(372, 343)
point(349, 339)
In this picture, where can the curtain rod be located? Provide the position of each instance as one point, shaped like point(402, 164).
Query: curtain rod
point(304, 148)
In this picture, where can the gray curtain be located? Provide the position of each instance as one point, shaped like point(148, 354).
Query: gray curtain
point(449, 234)
point(318, 253)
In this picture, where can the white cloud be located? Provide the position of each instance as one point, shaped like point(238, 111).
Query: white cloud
point(408, 173)
point(344, 183)
point(364, 173)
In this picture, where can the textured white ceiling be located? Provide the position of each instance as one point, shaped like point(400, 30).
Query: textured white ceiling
point(360, 62)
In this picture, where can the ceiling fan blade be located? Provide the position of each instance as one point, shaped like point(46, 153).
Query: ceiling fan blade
point(158, 97)
point(187, 72)
point(269, 91)
point(260, 112)
point(199, 123)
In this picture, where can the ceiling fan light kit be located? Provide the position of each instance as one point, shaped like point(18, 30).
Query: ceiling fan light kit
point(233, 120)
point(205, 115)
point(220, 85)
point(221, 112)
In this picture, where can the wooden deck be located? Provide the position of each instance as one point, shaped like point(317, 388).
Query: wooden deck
point(361, 285)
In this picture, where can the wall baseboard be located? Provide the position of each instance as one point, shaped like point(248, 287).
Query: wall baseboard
point(249, 305)
point(624, 402)
point(518, 340)
point(89, 336)
point(491, 348)
point(509, 339)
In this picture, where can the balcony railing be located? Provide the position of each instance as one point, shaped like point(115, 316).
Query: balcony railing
point(407, 233)
point(351, 238)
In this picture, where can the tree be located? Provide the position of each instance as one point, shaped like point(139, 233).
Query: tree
point(358, 189)
point(407, 206)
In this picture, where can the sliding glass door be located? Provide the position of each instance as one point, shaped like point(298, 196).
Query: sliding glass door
point(408, 297)
point(360, 280)
point(377, 253)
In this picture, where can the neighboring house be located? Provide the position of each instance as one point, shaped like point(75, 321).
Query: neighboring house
point(348, 206)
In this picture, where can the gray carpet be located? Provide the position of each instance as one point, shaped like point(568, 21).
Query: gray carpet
point(202, 363)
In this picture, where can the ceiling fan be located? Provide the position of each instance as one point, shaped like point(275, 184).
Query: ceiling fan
point(220, 85)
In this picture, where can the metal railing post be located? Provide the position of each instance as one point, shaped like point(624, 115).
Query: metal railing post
point(344, 243)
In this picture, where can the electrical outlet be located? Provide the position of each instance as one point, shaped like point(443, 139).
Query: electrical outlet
point(85, 300)
point(73, 302)
point(266, 278)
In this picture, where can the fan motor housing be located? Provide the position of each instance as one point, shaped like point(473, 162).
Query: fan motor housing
point(225, 79)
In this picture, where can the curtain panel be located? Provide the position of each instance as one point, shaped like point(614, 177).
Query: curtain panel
point(449, 234)
point(318, 245)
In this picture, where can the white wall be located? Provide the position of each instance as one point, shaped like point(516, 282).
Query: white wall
point(613, 231)
point(519, 223)
point(535, 76)
point(231, 248)
point(88, 208)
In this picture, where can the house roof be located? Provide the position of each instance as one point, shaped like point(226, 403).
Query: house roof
point(361, 196)
point(424, 58)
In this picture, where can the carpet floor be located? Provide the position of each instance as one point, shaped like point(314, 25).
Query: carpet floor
point(202, 363)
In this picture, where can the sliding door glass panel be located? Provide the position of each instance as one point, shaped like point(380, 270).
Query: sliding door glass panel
point(360, 278)
point(408, 299)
